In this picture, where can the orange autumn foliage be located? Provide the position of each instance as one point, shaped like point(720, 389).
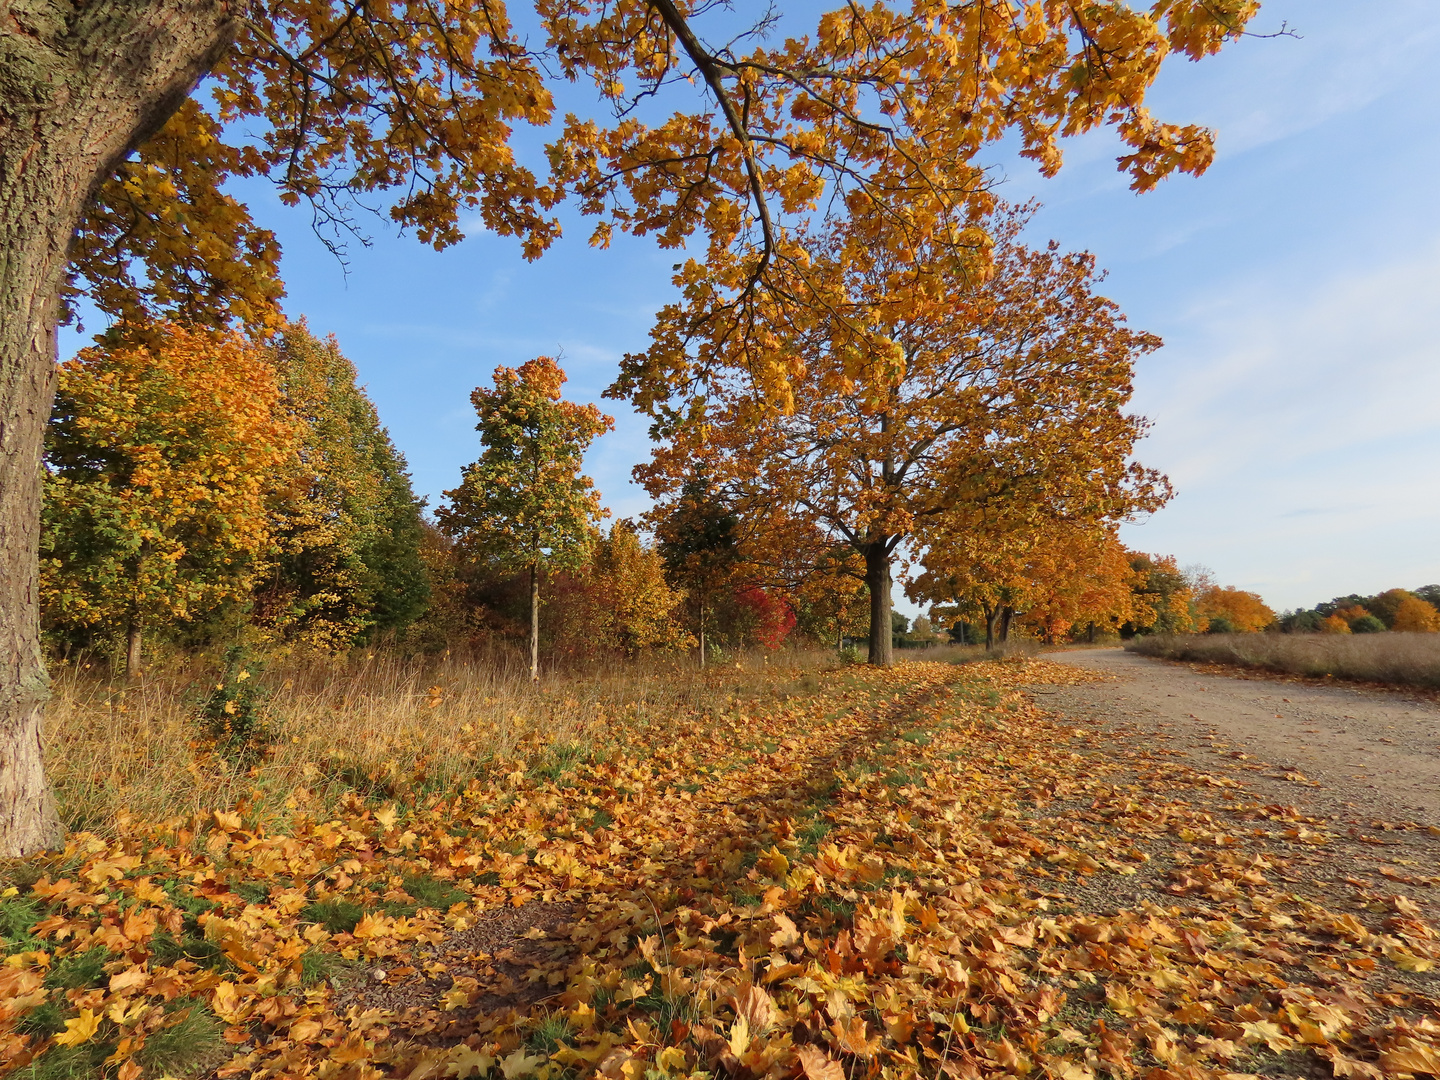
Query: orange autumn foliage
point(162, 456)
point(1416, 616)
point(1244, 612)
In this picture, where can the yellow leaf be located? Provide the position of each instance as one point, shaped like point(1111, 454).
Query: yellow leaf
point(739, 1035)
point(773, 864)
point(79, 1029)
point(465, 1061)
point(672, 1060)
point(520, 1064)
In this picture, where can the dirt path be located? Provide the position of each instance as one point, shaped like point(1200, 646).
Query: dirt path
point(1355, 755)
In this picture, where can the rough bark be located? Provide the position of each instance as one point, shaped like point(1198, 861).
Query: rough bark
point(81, 84)
point(877, 578)
point(534, 622)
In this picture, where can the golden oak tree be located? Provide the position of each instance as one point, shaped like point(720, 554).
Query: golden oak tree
point(923, 395)
point(159, 466)
point(524, 505)
point(341, 103)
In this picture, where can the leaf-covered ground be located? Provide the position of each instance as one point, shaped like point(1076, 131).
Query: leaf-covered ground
point(891, 873)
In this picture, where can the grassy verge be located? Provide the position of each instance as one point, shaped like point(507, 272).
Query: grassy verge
point(1400, 659)
point(377, 725)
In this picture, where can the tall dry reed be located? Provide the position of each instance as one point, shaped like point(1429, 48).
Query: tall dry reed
point(374, 723)
point(1400, 659)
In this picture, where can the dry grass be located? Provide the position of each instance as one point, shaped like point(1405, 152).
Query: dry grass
point(1399, 659)
point(378, 725)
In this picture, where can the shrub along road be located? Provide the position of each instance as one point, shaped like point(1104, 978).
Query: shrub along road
point(903, 872)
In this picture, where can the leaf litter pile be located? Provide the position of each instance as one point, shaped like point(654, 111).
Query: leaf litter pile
point(905, 872)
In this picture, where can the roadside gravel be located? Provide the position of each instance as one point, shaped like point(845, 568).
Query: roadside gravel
point(1358, 756)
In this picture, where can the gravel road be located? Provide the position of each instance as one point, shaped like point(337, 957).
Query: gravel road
point(1353, 755)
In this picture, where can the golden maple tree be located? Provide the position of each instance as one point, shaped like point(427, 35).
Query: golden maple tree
point(160, 464)
point(1415, 616)
point(1224, 607)
point(626, 605)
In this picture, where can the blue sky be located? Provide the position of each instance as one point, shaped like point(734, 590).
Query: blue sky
point(1296, 404)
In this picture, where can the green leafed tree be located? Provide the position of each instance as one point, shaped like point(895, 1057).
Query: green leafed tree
point(524, 505)
point(697, 538)
point(347, 523)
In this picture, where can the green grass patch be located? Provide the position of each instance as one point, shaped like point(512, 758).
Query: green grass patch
point(337, 916)
point(548, 1035)
point(78, 970)
point(192, 1043)
point(435, 892)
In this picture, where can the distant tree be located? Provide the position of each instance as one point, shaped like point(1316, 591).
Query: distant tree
point(1367, 624)
point(697, 537)
point(348, 525)
point(765, 616)
point(524, 505)
point(1415, 616)
point(630, 606)
point(1163, 601)
point(1330, 607)
point(1242, 612)
point(925, 390)
point(1304, 621)
point(1385, 605)
point(1352, 614)
point(1430, 594)
point(1334, 624)
point(160, 459)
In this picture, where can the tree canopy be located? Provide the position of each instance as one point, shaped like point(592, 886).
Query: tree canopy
point(929, 394)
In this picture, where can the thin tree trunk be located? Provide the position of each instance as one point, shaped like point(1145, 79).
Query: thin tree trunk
point(82, 82)
point(702, 633)
point(133, 651)
point(877, 578)
point(1006, 614)
point(534, 622)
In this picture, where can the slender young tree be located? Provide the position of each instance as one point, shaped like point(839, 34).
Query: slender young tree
point(524, 505)
point(112, 177)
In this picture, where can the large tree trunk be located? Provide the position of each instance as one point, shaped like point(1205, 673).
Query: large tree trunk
point(1006, 614)
point(877, 578)
point(534, 622)
point(991, 614)
point(82, 82)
